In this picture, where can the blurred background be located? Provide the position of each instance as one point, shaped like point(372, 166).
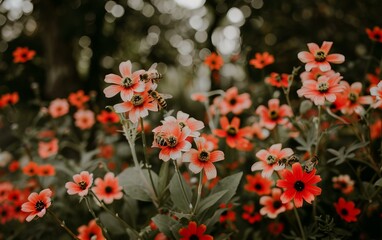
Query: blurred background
point(78, 42)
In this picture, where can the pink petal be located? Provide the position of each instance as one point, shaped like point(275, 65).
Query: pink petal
point(313, 48)
point(335, 58)
point(324, 66)
point(257, 166)
point(126, 94)
point(216, 156)
point(122, 107)
point(210, 170)
point(262, 154)
point(326, 46)
point(113, 78)
point(125, 68)
point(274, 103)
point(305, 56)
point(112, 90)
point(288, 195)
point(310, 65)
point(194, 168)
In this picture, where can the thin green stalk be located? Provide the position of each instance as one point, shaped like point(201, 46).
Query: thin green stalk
point(116, 216)
point(146, 158)
point(318, 135)
point(299, 223)
point(200, 187)
point(98, 221)
point(181, 184)
point(62, 224)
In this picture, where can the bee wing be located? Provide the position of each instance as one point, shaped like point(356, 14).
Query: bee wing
point(165, 96)
point(153, 67)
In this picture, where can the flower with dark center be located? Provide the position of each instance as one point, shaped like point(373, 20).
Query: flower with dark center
point(277, 204)
point(127, 82)
point(353, 97)
point(323, 87)
point(347, 210)
point(273, 114)
point(40, 205)
point(82, 185)
point(137, 100)
point(172, 141)
point(232, 131)
point(271, 159)
point(299, 186)
point(320, 56)
point(204, 156)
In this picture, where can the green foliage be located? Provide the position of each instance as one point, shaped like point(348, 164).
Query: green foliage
point(344, 153)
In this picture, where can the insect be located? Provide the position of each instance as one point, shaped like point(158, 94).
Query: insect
point(151, 75)
point(159, 98)
point(160, 139)
point(289, 160)
point(311, 164)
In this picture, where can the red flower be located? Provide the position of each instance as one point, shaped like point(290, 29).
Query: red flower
point(107, 117)
point(274, 114)
point(184, 121)
point(261, 60)
point(23, 54)
point(377, 93)
point(275, 228)
point(250, 214)
point(235, 137)
point(343, 183)
point(228, 215)
point(314, 74)
point(273, 205)
point(48, 149)
point(233, 102)
point(299, 185)
point(319, 57)
point(46, 170)
point(58, 107)
point(193, 231)
point(6, 213)
point(258, 184)
point(214, 61)
point(202, 158)
point(30, 169)
point(82, 183)
point(107, 189)
point(353, 100)
point(37, 204)
point(78, 98)
point(91, 231)
point(278, 80)
point(9, 99)
point(347, 210)
point(376, 129)
point(84, 119)
point(375, 34)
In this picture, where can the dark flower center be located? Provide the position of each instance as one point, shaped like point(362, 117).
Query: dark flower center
point(232, 101)
point(82, 185)
point(137, 100)
point(108, 189)
point(194, 237)
point(182, 125)
point(232, 131)
point(323, 87)
point(353, 97)
point(4, 213)
point(271, 159)
point(172, 141)
point(127, 82)
point(258, 186)
point(278, 78)
point(299, 186)
point(344, 212)
point(40, 205)
point(204, 156)
point(320, 56)
point(343, 184)
point(273, 114)
point(277, 204)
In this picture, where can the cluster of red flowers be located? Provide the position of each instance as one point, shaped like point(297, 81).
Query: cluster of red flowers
point(11, 199)
point(9, 99)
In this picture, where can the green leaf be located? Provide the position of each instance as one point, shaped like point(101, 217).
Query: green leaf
point(230, 184)
point(177, 195)
point(163, 178)
point(305, 106)
point(133, 184)
point(210, 200)
point(164, 222)
point(378, 183)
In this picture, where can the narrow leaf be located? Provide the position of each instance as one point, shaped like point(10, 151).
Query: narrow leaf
point(164, 223)
point(177, 195)
point(210, 200)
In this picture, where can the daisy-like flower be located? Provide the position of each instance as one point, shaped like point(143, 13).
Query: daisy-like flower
point(273, 205)
point(261, 60)
point(347, 210)
point(5, 189)
point(275, 228)
point(229, 215)
point(278, 80)
point(30, 169)
point(48, 148)
point(126, 85)
point(107, 189)
point(314, 74)
point(78, 98)
point(90, 231)
point(258, 184)
point(319, 57)
point(269, 159)
point(249, 214)
point(58, 107)
point(343, 183)
point(377, 93)
point(325, 88)
point(107, 117)
point(235, 137)
point(373, 78)
point(46, 170)
point(375, 34)
point(258, 131)
point(81, 185)
point(199, 97)
point(299, 185)
point(138, 106)
point(84, 119)
point(353, 99)
point(6, 213)
point(184, 121)
point(201, 158)
point(172, 141)
point(23, 54)
point(376, 129)
point(233, 102)
point(9, 99)
point(37, 204)
point(214, 61)
point(274, 114)
point(193, 231)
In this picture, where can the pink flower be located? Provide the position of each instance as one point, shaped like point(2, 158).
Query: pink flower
point(326, 87)
point(314, 74)
point(274, 114)
point(82, 183)
point(171, 139)
point(58, 107)
point(318, 57)
point(377, 93)
point(202, 158)
point(125, 85)
point(269, 159)
point(48, 149)
point(84, 119)
point(235, 137)
point(233, 102)
point(107, 189)
point(184, 121)
point(37, 204)
point(273, 205)
point(352, 101)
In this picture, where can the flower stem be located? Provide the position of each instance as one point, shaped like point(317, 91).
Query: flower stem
point(200, 187)
point(181, 183)
point(318, 135)
point(146, 159)
point(62, 224)
point(299, 223)
point(98, 221)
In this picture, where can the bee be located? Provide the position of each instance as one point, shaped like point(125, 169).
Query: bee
point(289, 160)
point(311, 164)
point(160, 139)
point(151, 75)
point(159, 98)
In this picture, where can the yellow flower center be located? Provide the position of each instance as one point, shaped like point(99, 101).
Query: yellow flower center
point(137, 100)
point(323, 87)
